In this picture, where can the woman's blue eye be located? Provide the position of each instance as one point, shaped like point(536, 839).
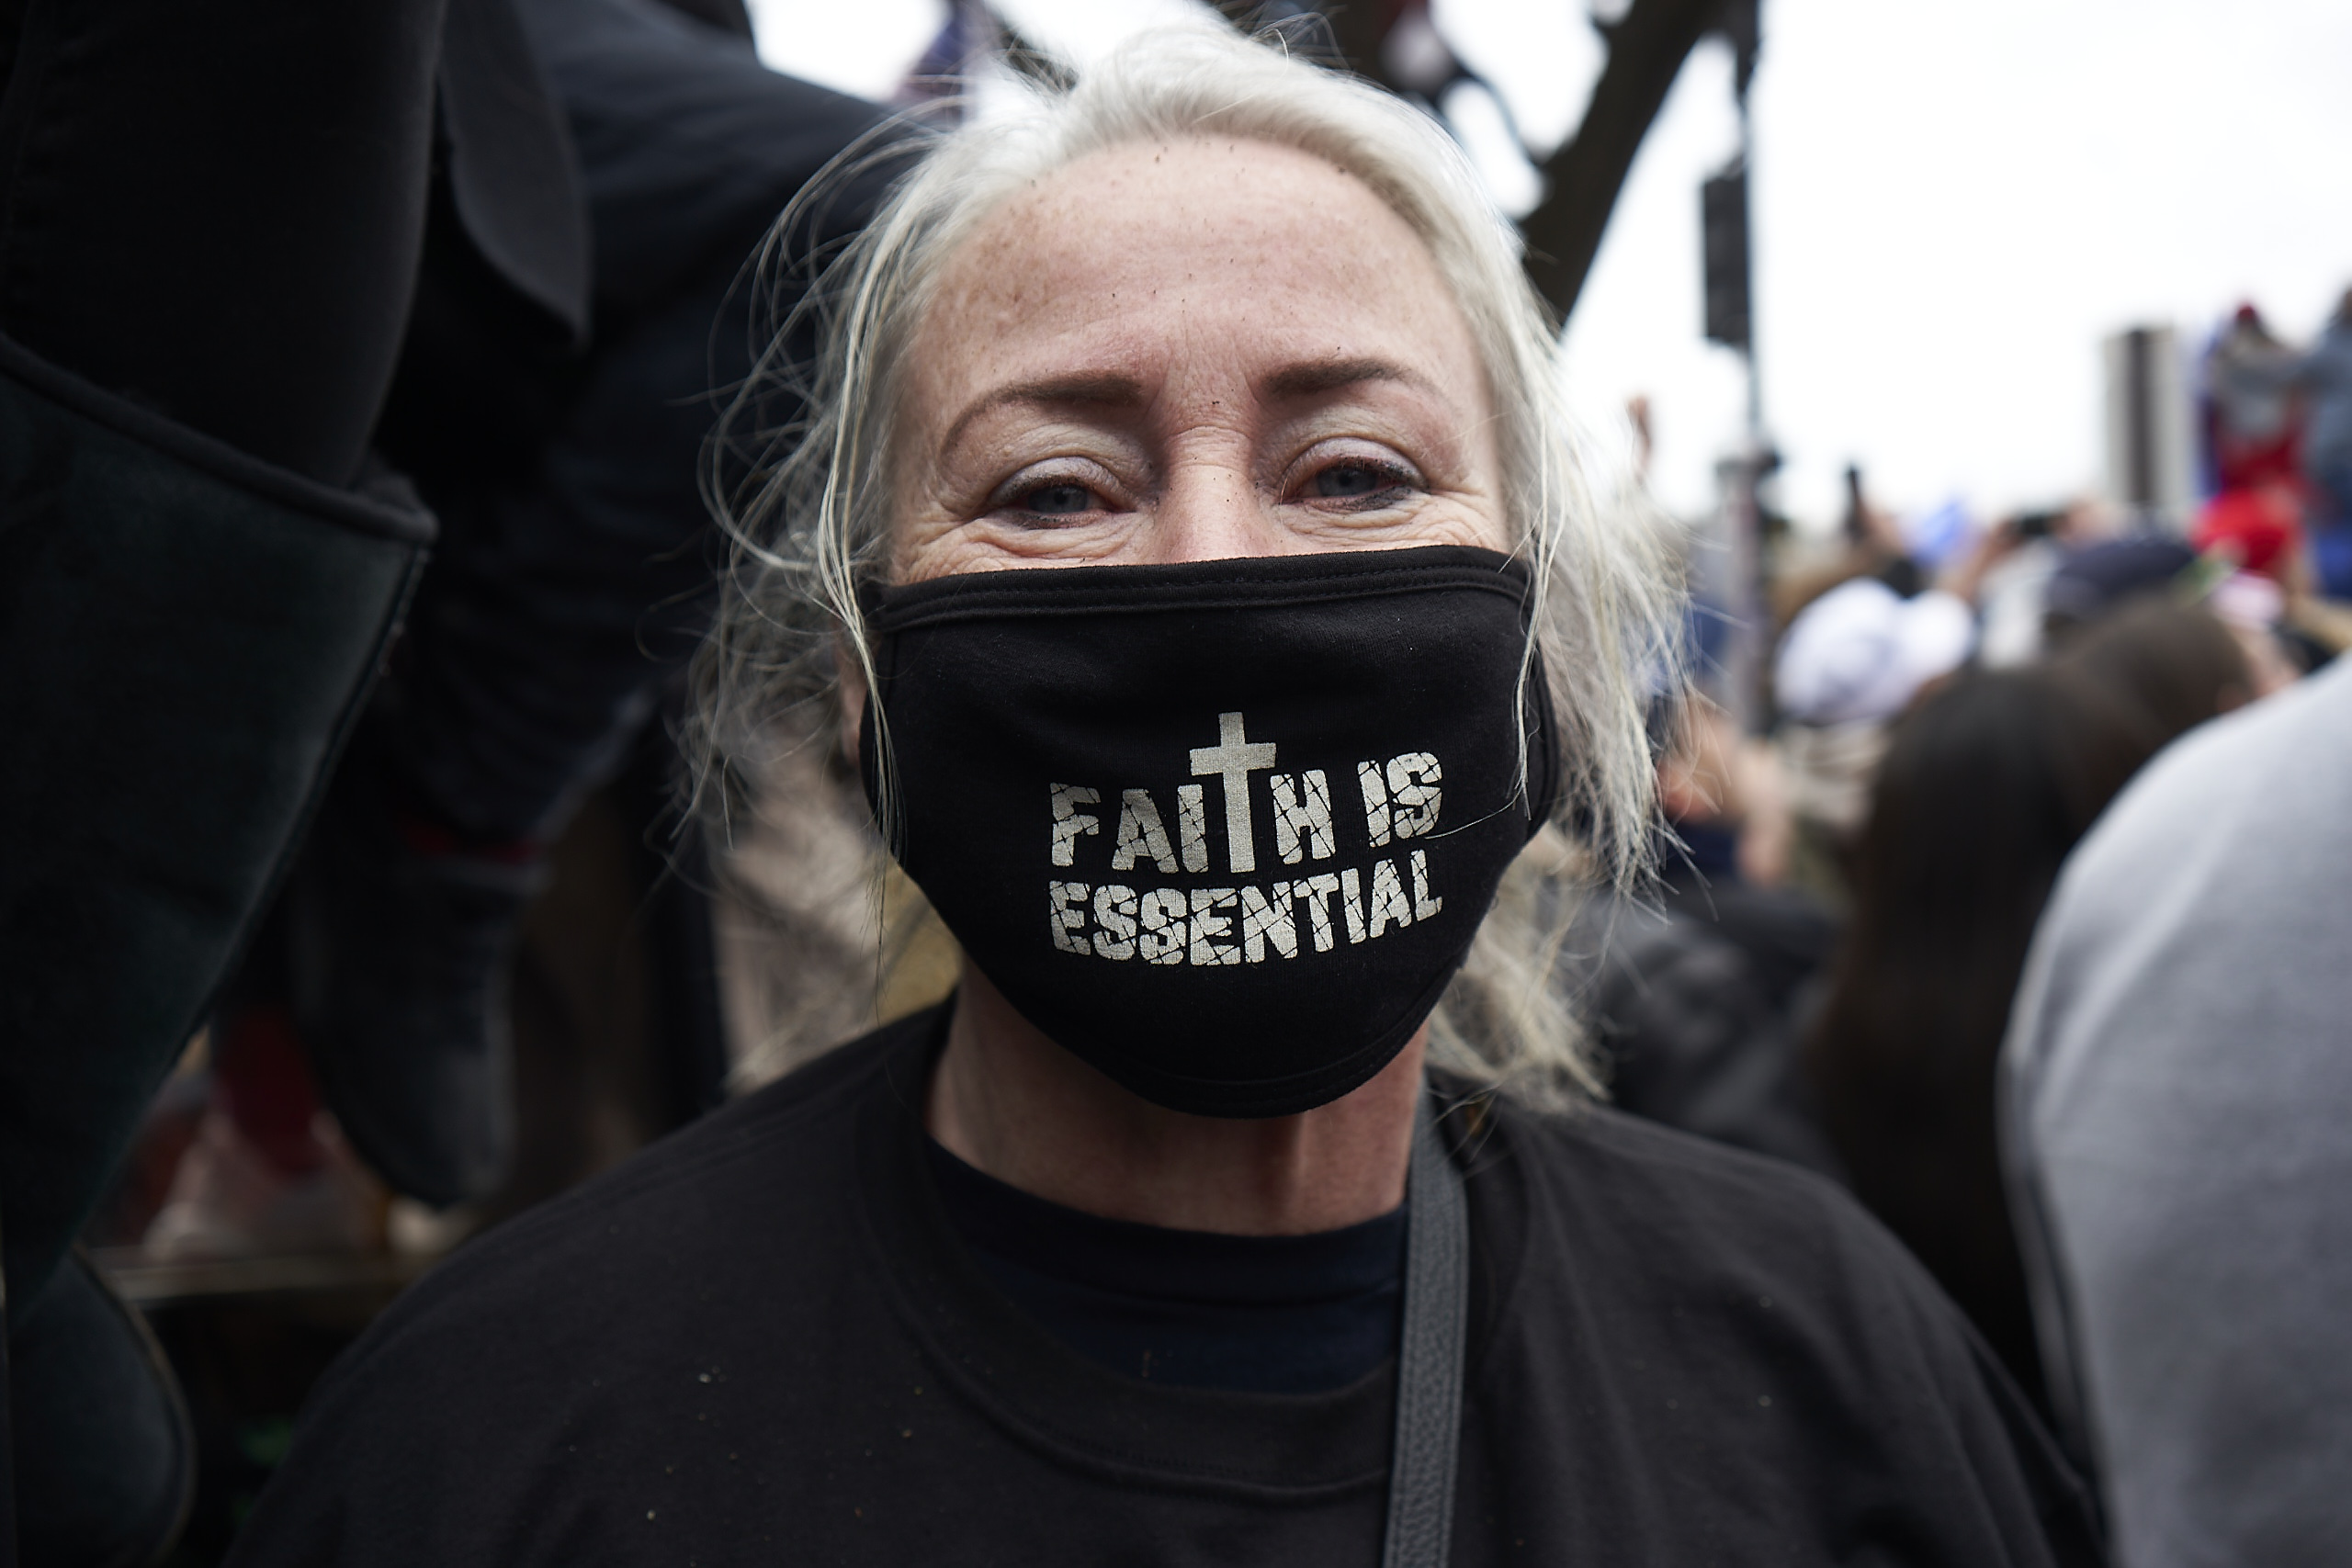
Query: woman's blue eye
point(1355, 481)
point(1057, 499)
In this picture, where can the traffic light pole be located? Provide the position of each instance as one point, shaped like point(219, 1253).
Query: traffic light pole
point(1758, 460)
point(1730, 321)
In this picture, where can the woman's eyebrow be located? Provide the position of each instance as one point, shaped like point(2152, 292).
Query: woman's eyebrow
point(1312, 377)
point(1061, 391)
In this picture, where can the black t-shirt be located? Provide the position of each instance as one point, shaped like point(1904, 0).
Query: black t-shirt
point(1268, 1314)
point(760, 1341)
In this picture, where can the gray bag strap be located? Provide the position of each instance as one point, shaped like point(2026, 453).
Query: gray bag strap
point(1428, 1356)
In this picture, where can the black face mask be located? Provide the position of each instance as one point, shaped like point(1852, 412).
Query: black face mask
point(1224, 829)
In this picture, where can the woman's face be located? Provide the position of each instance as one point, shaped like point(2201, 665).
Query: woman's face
point(1189, 352)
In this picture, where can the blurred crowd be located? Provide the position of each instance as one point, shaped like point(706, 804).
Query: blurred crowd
point(2276, 451)
point(1859, 881)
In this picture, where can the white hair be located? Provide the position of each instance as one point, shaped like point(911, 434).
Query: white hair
point(808, 504)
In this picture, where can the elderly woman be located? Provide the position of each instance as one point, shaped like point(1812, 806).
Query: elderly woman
point(1187, 535)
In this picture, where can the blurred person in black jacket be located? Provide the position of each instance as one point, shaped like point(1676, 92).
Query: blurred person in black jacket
point(247, 253)
point(577, 569)
point(210, 223)
point(1697, 994)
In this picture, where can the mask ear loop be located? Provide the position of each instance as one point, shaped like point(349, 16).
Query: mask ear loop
point(1538, 727)
point(1534, 698)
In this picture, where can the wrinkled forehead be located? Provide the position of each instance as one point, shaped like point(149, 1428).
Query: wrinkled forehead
point(1182, 247)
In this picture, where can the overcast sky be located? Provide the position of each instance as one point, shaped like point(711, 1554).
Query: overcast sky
point(1954, 204)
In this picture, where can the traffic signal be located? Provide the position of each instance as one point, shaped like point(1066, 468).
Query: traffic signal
point(1723, 212)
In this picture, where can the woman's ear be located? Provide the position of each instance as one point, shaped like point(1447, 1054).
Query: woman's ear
point(850, 681)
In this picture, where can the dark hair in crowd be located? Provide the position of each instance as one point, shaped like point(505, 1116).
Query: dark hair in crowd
point(1986, 784)
point(2174, 664)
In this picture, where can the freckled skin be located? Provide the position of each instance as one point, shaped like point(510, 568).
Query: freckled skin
point(1194, 271)
point(1227, 349)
